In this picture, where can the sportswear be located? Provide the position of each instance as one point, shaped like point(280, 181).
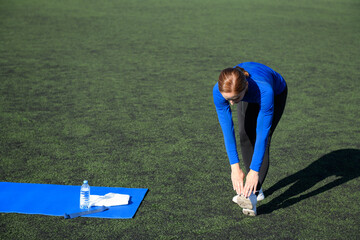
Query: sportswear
point(263, 84)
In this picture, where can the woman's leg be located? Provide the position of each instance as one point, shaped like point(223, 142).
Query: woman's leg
point(247, 118)
point(247, 114)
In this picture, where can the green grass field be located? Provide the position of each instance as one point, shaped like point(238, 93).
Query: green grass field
point(119, 92)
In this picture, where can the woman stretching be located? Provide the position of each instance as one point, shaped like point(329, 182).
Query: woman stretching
point(260, 94)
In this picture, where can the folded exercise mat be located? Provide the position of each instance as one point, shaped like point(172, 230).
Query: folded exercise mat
point(56, 200)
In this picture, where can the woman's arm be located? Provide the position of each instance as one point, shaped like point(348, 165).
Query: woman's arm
point(264, 121)
point(227, 126)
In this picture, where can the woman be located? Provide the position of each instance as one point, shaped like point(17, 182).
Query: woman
point(260, 94)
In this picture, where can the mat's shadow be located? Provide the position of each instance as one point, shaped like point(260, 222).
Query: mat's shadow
point(345, 164)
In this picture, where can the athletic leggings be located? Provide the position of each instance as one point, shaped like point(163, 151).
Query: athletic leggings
point(247, 117)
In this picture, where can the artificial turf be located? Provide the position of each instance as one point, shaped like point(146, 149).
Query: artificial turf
point(120, 93)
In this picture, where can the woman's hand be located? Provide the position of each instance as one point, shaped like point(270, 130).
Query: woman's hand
point(237, 178)
point(251, 183)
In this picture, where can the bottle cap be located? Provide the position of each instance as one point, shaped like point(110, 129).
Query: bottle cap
point(85, 181)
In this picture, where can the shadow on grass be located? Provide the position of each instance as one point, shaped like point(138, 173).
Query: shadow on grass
point(345, 164)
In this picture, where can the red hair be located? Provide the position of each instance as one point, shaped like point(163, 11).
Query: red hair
point(232, 80)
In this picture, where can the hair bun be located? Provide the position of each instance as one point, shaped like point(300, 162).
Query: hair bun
point(243, 71)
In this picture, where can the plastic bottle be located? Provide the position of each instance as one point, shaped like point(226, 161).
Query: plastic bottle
point(85, 195)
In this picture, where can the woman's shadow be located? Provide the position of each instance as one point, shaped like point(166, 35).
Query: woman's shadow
point(344, 164)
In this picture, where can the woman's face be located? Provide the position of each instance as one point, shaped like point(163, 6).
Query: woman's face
point(235, 98)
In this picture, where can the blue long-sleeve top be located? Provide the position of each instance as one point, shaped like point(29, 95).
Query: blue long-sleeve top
point(264, 84)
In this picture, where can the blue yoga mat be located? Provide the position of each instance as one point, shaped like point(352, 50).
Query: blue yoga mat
point(56, 200)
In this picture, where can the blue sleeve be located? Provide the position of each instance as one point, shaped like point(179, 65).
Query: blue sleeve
point(263, 126)
point(225, 119)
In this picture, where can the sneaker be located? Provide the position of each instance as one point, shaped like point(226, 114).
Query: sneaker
point(261, 195)
point(247, 204)
point(249, 212)
point(235, 198)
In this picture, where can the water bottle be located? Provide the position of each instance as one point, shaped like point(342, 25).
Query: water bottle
point(85, 195)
